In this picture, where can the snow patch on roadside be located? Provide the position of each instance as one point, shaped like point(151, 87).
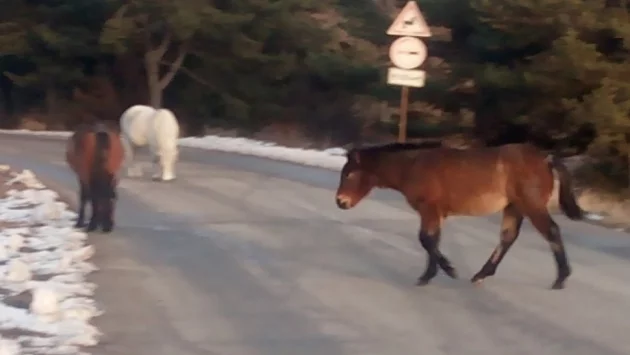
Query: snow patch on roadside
point(331, 158)
point(46, 303)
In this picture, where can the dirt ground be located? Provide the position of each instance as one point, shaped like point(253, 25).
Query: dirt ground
point(5, 175)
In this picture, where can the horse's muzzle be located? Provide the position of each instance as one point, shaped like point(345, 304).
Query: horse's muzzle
point(343, 202)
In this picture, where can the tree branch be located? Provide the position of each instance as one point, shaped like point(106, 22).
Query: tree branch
point(120, 13)
point(189, 73)
point(163, 47)
point(175, 66)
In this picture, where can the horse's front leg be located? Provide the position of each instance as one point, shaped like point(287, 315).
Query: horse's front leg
point(429, 236)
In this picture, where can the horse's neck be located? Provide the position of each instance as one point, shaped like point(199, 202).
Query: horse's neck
point(390, 169)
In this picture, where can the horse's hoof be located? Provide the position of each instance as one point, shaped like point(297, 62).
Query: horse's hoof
point(477, 280)
point(422, 282)
point(79, 225)
point(167, 177)
point(558, 285)
point(161, 179)
point(451, 272)
point(108, 229)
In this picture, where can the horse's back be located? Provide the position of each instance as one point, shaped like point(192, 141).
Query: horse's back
point(165, 129)
point(135, 123)
point(81, 149)
point(165, 121)
point(484, 160)
point(116, 152)
point(482, 180)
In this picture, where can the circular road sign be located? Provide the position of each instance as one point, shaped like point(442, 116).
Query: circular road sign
point(408, 52)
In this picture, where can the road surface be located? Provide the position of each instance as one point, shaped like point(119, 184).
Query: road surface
point(245, 256)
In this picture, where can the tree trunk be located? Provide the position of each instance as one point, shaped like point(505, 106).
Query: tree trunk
point(9, 119)
point(153, 81)
point(153, 61)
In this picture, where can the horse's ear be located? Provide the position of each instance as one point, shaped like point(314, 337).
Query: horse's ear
point(348, 147)
point(354, 155)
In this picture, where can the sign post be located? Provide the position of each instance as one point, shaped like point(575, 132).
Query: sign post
point(407, 53)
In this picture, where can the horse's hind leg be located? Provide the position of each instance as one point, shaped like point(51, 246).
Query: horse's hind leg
point(167, 163)
point(96, 212)
point(108, 204)
point(543, 222)
point(83, 199)
point(510, 229)
point(129, 149)
point(108, 215)
point(156, 166)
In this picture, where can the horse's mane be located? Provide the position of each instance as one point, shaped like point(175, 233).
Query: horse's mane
point(396, 147)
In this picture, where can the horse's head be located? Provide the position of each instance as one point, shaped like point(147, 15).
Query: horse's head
point(355, 181)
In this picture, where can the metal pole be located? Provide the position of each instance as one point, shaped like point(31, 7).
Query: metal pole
point(402, 123)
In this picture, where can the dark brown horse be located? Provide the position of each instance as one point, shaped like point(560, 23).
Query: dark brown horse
point(439, 182)
point(95, 154)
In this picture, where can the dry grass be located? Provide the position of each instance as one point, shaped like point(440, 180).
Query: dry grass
point(614, 209)
point(5, 175)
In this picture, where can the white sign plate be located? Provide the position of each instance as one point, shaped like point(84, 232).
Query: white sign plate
point(404, 77)
point(410, 22)
point(408, 52)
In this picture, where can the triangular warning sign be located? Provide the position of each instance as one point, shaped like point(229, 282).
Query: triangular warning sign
point(409, 22)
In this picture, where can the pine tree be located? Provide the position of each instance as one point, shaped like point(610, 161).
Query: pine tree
point(164, 34)
point(55, 43)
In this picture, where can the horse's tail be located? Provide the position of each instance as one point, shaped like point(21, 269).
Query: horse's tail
point(100, 174)
point(566, 197)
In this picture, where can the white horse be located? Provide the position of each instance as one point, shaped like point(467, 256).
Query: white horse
point(143, 125)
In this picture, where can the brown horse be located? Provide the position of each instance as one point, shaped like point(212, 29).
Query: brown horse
point(439, 182)
point(95, 154)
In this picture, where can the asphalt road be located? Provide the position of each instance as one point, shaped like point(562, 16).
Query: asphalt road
point(245, 256)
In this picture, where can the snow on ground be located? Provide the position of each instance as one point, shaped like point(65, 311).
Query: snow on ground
point(45, 301)
point(332, 158)
point(36, 133)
